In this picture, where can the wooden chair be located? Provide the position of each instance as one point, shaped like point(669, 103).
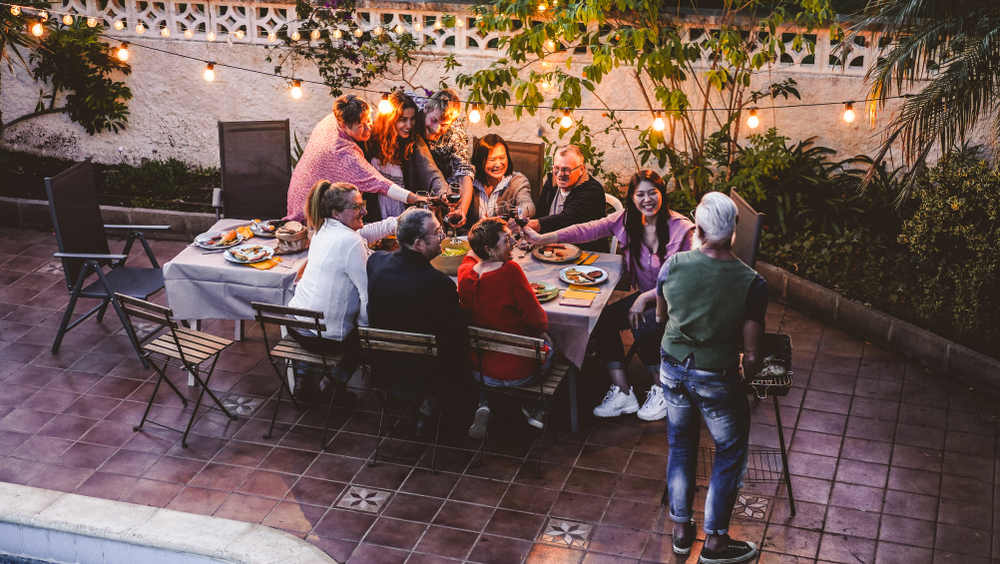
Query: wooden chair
point(287, 350)
point(376, 342)
point(192, 348)
point(256, 159)
point(83, 249)
point(612, 202)
point(545, 384)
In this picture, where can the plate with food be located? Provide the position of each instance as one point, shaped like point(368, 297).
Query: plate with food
point(265, 227)
point(246, 254)
point(583, 275)
point(219, 239)
point(556, 252)
point(544, 292)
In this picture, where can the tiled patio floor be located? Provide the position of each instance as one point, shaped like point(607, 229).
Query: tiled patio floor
point(889, 463)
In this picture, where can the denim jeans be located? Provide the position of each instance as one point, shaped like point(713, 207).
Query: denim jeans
point(718, 397)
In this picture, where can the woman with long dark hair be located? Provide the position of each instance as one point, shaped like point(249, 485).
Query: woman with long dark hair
point(650, 233)
point(497, 184)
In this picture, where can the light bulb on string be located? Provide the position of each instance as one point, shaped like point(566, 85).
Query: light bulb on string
point(399, 29)
point(377, 31)
point(91, 22)
point(475, 115)
point(566, 121)
point(314, 35)
point(542, 7)
point(210, 36)
point(417, 26)
point(15, 10)
point(753, 121)
point(122, 52)
point(37, 29)
point(658, 123)
point(296, 35)
point(239, 33)
point(437, 24)
point(550, 45)
point(67, 19)
point(337, 34)
point(140, 29)
point(459, 22)
point(272, 37)
point(359, 32)
point(296, 90)
point(384, 105)
point(209, 73)
point(165, 31)
point(545, 84)
point(118, 25)
point(849, 114)
point(188, 33)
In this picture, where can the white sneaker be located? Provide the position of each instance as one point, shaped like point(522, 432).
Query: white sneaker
point(655, 406)
point(617, 402)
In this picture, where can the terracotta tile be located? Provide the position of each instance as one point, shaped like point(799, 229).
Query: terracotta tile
point(96, 363)
point(268, 484)
point(542, 475)
point(446, 542)
point(978, 467)
point(515, 524)
point(544, 553)
point(907, 531)
point(369, 553)
point(46, 449)
point(221, 477)
point(857, 497)
point(579, 507)
point(83, 455)
point(315, 492)
point(53, 401)
point(789, 540)
point(599, 457)
point(491, 549)
point(25, 420)
point(647, 465)
point(888, 553)
point(174, 469)
point(339, 550)
point(10, 440)
point(883, 410)
point(421, 558)
point(612, 434)
point(334, 467)
point(413, 507)
point(865, 473)
point(478, 490)
point(635, 487)
point(242, 454)
point(591, 481)
point(529, 499)
point(248, 508)
point(463, 515)
point(112, 387)
point(383, 475)
point(198, 446)
point(344, 524)
point(917, 436)
point(915, 481)
point(962, 540)
point(14, 394)
point(846, 549)
point(631, 514)
point(852, 522)
point(811, 442)
point(618, 540)
point(69, 427)
point(812, 490)
point(293, 517)
point(152, 492)
point(969, 443)
point(110, 433)
point(827, 401)
point(288, 460)
point(912, 505)
point(20, 352)
point(95, 407)
point(106, 485)
point(811, 465)
point(198, 500)
point(428, 483)
point(61, 478)
point(352, 444)
point(868, 428)
point(917, 458)
point(495, 467)
point(822, 422)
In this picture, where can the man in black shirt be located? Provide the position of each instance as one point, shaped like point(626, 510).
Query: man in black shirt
point(570, 196)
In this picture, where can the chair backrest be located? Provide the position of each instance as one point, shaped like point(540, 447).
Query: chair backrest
point(481, 339)
point(747, 239)
point(616, 206)
point(76, 215)
point(155, 313)
point(529, 160)
point(256, 168)
point(386, 340)
point(272, 314)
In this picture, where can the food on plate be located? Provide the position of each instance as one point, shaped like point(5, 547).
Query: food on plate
point(245, 231)
point(454, 249)
point(594, 274)
point(291, 227)
point(554, 251)
point(228, 237)
point(247, 254)
point(268, 226)
point(536, 287)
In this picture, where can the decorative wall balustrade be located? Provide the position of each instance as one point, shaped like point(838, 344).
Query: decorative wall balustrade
point(255, 22)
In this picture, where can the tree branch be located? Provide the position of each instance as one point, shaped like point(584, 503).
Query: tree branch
point(33, 115)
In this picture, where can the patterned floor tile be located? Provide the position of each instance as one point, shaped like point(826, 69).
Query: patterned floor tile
point(369, 500)
point(568, 533)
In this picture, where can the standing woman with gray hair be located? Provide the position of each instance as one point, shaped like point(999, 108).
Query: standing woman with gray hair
point(714, 307)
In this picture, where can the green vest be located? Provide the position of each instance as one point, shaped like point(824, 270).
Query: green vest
point(706, 307)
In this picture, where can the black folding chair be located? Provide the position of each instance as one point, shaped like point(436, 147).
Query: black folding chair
point(287, 350)
point(83, 249)
point(746, 241)
point(192, 348)
point(256, 159)
point(545, 385)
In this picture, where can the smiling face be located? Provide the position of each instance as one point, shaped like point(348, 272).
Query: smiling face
point(436, 123)
point(647, 199)
point(405, 121)
point(502, 251)
point(353, 215)
point(362, 130)
point(496, 163)
point(567, 169)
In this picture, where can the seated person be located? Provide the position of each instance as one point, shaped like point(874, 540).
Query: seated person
point(334, 279)
point(441, 124)
point(406, 293)
point(334, 153)
point(650, 233)
point(570, 196)
point(495, 294)
point(496, 184)
point(402, 156)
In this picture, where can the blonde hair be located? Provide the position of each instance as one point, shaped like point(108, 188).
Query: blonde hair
point(326, 197)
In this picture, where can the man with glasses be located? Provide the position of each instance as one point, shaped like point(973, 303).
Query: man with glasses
point(570, 196)
point(406, 293)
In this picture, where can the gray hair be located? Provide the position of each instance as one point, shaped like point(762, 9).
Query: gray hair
point(445, 101)
point(566, 149)
point(716, 216)
point(412, 225)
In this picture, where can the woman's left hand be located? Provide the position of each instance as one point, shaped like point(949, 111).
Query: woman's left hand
point(637, 311)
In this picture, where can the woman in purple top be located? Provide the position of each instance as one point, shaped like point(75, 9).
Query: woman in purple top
point(650, 233)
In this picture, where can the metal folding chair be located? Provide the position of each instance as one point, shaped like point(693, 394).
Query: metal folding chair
point(545, 385)
point(376, 342)
point(192, 348)
point(84, 251)
point(256, 158)
point(288, 350)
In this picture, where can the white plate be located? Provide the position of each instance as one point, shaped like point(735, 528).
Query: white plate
point(550, 293)
point(264, 254)
point(582, 281)
point(204, 239)
point(258, 228)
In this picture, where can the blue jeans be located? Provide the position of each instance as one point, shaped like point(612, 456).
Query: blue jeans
point(718, 397)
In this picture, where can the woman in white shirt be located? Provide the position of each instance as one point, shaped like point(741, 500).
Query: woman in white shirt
point(335, 279)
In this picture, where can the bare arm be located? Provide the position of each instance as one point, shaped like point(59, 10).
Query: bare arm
point(661, 308)
point(752, 333)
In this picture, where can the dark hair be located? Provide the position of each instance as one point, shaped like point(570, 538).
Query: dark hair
point(411, 226)
point(482, 151)
point(485, 235)
point(326, 197)
point(385, 142)
point(633, 217)
point(348, 109)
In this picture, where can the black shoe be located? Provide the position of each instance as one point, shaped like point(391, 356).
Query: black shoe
point(735, 551)
point(479, 423)
point(682, 543)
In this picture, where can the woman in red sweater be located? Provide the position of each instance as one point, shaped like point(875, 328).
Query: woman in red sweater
point(495, 294)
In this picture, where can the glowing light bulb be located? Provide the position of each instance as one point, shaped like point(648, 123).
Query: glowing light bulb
point(384, 105)
point(849, 114)
point(239, 34)
point(417, 26)
point(753, 121)
point(437, 24)
point(296, 35)
point(545, 85)
point(550, 45)
point(398, 29)
point(122, 52)
point(659, 124)
point(337, 34)
point(37, 29)
point(43, 15)
point(542, 7)
point(566, 121)
point(210, 36)
point(475, 115)
point(165, 31)
point(358, 32)
point(460, 23)
point(272, 37)
point(140, 29)
point(296, 89)
point(67, 19)
point(188, 34)
point(15, 10)
point(91, 22)
point(209, 72)
point(377, 31)
point(118, 25)
point(314, 35)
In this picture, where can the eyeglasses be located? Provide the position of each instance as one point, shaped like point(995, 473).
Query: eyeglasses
point(362, 206)
point(564, 170)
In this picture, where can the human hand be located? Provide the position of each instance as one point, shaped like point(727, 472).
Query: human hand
point(531, 236)
point(413, 198)
point(636, 317)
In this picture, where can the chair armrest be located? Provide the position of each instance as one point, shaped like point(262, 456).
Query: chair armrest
point(90, 256)
point(138, 227)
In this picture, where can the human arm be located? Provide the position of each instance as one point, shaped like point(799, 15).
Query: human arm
point(639, 307)
point(356, 267)
point(753, 325)
point(427, 174)
point(661, 300)
point(350, 166)
point(520, 187)
point(378, 230)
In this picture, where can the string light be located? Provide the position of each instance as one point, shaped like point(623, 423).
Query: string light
point(118, 25)
point(658, 123)
point(210, 36)
point(459, 22)
point(399, 29)
point(37, 29)
point(296, 89)
point(188, 33)
point(377, 31)
point(417, 26)
point(542, 7)
point(314, 35)
point(475, 115)
point(849, 114)
point(67, 20)
point(272, 37)
point(437, 24)
point(550, 45)
point(239, 34)
point(337, 34)
point(122, 52)
point(209, 72)
point(15, 10)
point(566, 121)
point(91, 22)
point(140, 29)
point(384, 105)
point(358, 32)
point(296, 35)
point(545, 84)
point(165, 31)
point(753, 121)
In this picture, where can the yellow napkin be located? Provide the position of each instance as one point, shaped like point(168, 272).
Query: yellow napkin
point(245, 231)
point(580, 295)
point(590, 260)
point(266, 264)
point(580, 288)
